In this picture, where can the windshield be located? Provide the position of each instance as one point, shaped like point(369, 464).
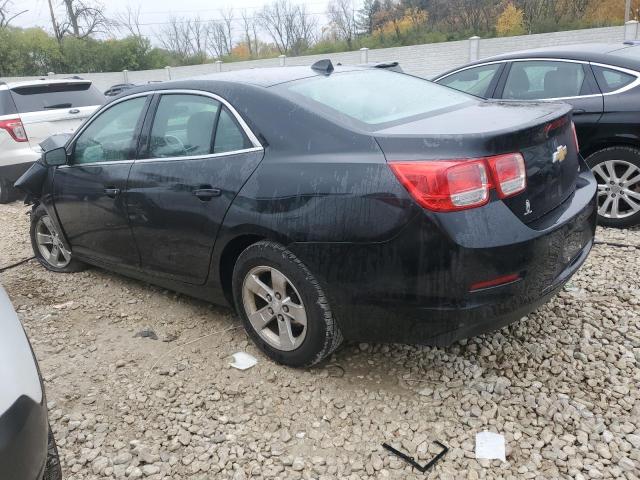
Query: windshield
point(377, 97)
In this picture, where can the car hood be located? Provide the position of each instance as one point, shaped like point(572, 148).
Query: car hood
point(18, 372)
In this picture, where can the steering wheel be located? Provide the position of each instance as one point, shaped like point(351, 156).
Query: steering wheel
point(173, 141)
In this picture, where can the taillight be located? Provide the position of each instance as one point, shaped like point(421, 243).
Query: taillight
point(575, 136)
point(15, 128)
point(509, 174)
point(451, 185)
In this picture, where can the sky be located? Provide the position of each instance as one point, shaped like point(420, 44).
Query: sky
point(155, 12)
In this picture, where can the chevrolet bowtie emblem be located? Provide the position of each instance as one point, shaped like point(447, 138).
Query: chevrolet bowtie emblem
point(560, 154)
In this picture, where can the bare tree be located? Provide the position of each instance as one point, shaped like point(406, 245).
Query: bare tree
point(342, 16)
point(218, 39)
point(249, 29)
point(7, 14)
point(175, 36)
point(129, 21)
point(227, 20)
point(85, 18)
point(290, 26)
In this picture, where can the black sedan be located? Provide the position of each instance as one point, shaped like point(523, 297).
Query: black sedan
point(324, 203)
point(27, 448)
point(602, 83)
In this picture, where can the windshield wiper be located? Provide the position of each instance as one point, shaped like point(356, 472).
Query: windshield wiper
point(59, 105)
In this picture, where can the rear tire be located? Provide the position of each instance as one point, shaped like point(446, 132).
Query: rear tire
point(52, 470)
point(617, 170)
point(283, 307)
point(47, 244)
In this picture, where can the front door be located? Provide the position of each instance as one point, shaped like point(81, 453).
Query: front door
point(198, 156)
point(90, 192)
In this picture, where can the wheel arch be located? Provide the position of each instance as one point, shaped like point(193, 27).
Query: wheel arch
point(603, 144)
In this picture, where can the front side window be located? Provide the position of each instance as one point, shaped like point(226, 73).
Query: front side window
point(610, 80)
point(183, 126)
point(540, 79)
point(374, 97)
point(474, 80)
point(112, 135)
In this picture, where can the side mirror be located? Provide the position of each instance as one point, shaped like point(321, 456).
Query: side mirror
point(55, 157)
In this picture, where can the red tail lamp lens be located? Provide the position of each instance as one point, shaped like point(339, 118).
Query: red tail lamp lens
point(494, 282)
point(509, 174)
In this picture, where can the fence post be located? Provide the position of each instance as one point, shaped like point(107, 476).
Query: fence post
point(631, 30)
point(474, 48)
point(364, 55)
point(283, 60)
point(125, 76)
point(218, 66)
point(168, 70)
point(51, 74)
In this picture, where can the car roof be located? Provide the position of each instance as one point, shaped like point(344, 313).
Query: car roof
point(262, 77)
point(615, 54)
point(41, 81)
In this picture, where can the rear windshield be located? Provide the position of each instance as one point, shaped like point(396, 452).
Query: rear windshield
point(6, 104)
point(36, 98)
point(376, 97)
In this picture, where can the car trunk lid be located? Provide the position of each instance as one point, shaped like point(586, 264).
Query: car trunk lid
point(541, 132)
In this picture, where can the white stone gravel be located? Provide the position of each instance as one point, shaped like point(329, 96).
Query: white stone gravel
point(563, 386)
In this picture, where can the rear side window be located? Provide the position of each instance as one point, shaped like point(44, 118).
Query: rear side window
point(183, 126)
point(36, 98)
point(229, 136)
point(474, 80)
point(6, 103)
point(610, 80)
point(375, 97)
point(540, 79)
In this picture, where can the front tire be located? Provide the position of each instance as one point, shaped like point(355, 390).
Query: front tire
point(47, 244)
point(617, 170)
point(283, 307)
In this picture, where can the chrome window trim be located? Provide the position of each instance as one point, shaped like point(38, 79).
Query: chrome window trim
point(257, 146)
point(633, 84)
point(199, 157)
point(93, 164)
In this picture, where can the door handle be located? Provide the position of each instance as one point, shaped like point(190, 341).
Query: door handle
point(111, 192)
point(579, 110)
point(207, 193)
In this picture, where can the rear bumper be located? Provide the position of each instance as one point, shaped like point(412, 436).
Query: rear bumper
point(15, 162)
point(416, 287)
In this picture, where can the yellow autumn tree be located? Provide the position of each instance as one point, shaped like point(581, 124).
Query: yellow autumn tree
point(607, 12)
point(510, 21)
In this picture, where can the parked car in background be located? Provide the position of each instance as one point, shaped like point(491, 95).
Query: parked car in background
point(322, 209)
point(602, 83)
point(117, 89)
point(27, 447)
point(33, 110)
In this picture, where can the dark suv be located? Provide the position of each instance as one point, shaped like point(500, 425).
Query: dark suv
point(601, 82)
point(27, 448)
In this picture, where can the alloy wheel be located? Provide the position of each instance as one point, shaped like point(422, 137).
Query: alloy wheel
point(618, 188)
point(274, 308)
point(50, 245)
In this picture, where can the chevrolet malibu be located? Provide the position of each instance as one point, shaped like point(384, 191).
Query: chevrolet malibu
point(324, 203)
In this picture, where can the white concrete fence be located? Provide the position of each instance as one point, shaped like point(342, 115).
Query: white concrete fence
point(424, 60)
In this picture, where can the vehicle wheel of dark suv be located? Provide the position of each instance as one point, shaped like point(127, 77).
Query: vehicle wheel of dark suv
point(282, 306)
point(617, 170)
point(47, 245)
point(52, 470)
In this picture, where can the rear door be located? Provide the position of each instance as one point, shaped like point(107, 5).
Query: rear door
point(52, 108)
point(567, 81)
point(197, 156)
point(90, 192)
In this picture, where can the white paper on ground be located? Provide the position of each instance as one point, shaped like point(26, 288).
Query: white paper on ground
point(242, 361)
point(490, 446)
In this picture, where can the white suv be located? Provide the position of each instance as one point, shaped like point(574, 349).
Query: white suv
point(33, 110)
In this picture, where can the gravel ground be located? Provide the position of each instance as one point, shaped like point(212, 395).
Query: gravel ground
point(562, 385)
